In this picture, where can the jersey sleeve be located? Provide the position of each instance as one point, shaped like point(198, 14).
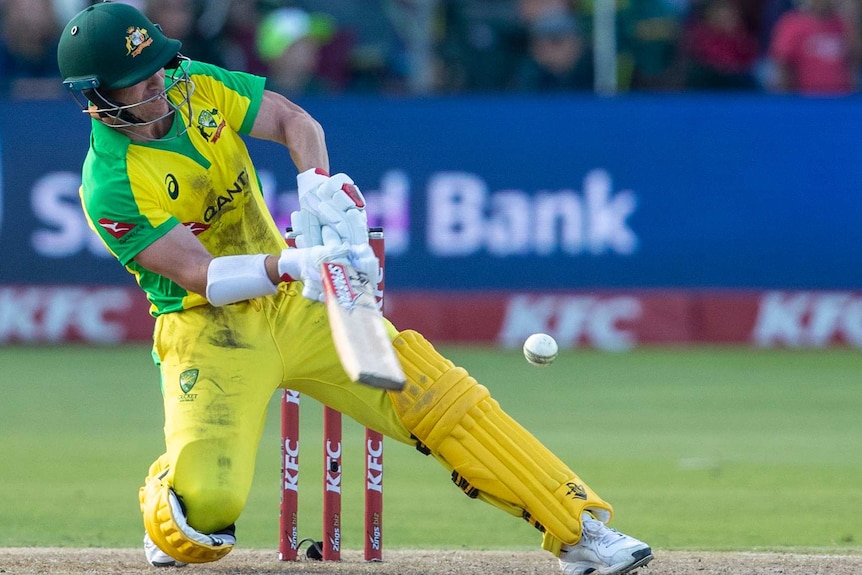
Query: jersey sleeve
point(127, 220)
point(236, 94)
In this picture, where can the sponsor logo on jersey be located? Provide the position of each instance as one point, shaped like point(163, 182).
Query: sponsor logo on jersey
point(210, 125)
point(136, 40)
point(197, 228)
point(240, 185)
point(173, 186)
point(116, 229)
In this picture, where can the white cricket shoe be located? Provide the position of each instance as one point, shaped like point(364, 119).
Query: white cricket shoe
point(603, 551)
point(158, 558)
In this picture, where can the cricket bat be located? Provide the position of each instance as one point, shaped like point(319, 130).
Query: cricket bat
point(358, 329)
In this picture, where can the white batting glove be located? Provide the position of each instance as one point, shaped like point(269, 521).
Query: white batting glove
point(306, 229)
point(306, 225)
point(338, 203)
point(310, 180)
point(364, 261)
point(304, 264)
point(361, 257)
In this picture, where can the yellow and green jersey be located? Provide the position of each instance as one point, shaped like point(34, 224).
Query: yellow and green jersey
point(133, 193)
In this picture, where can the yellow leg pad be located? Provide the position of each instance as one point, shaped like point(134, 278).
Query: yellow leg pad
point(456, 418)
point(552, 544)
point(167, 527)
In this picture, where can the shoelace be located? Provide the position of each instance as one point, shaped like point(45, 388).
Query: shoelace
point(599, 531)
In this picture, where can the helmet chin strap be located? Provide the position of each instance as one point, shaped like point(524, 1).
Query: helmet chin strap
point(125, 115)
point(122, 114)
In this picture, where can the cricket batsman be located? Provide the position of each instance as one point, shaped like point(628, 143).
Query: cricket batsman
point(169, 187)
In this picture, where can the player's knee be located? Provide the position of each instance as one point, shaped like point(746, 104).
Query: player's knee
point(210, 508)
point(438, 394)
point(166, 523)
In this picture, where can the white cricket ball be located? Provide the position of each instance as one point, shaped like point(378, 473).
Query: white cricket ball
point(540, 349)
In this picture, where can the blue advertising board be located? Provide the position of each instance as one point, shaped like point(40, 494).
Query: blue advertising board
point(514, 192)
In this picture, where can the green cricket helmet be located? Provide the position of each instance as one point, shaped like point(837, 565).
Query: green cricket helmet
point(110, 46)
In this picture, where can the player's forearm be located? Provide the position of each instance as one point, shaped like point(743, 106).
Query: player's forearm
point(271, 265)
point(282, 121)
point(307, 144)
point(180, 257)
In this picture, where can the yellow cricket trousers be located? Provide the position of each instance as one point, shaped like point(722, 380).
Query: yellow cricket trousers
point(219, 370)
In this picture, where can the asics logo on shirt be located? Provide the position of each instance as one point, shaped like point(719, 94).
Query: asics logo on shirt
point(173, 186)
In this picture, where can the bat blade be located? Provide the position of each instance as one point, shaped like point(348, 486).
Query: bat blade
point(358, 329)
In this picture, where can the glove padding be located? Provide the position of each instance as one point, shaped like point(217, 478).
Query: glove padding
point(305, 225)
point(364, 261)
point(306, 229)
point(335, 202)
point(304, 264)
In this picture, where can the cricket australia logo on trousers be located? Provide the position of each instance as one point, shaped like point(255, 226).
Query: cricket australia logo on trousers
point(188, 379)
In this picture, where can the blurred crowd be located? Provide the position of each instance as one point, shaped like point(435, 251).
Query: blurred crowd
point(408, 47)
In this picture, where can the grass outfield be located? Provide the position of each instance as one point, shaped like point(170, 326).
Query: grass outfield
point(698, 449)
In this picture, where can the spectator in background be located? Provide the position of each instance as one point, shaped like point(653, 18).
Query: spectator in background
point(179, 19)
point(851, 12)
point(290, 41)
point(751, 14)
point(369, 39)
point(720, 52)
point(530, 11)
point(479, 45)
point(647, 37)
point(558, 57)
point(648, 41)
point(813, 50)
point(65, 9)
point(772, 12)
point(28, 50)
point(238, 37)
point(485, 42)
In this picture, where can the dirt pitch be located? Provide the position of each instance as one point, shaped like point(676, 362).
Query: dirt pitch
point(32, 561)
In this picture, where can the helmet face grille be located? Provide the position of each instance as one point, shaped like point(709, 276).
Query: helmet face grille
point(112, 45)
point(178, 92)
